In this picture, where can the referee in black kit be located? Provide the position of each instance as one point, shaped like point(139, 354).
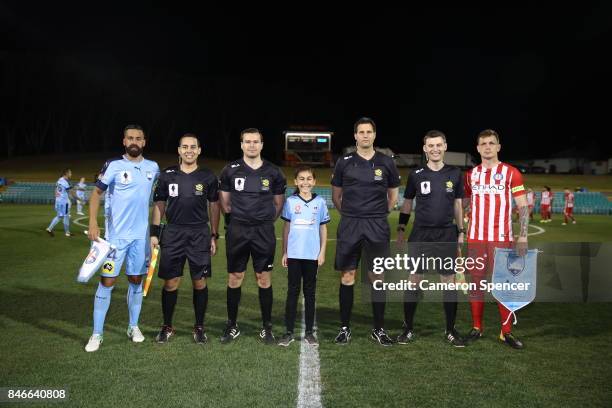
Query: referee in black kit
point(364, 190)
point(185, 194)
point(252, 193)
point(438, 189)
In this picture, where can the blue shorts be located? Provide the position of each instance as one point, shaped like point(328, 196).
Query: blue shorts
point(135, 252)
point(62, 209)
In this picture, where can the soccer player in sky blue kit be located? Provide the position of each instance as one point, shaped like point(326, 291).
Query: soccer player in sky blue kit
point(127, 181)
point(80, 195)
point(304, 241)
point(62, 203)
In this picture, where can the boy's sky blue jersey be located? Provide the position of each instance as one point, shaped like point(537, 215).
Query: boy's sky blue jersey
point(305, 217)
point(128, 187)
point(61, 191)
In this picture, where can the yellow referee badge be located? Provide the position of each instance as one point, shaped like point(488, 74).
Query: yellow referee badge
point(265, 182)
point(199, 187)
point(378, 174)
point(449, 186)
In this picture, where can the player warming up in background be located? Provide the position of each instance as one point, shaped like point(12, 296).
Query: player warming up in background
point(546, 201)
point(62, 204)
point(80, 195)
point(568, 209)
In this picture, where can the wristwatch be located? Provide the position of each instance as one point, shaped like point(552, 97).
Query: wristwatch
point(460, 231)
point(214, 235)
point(400, 228)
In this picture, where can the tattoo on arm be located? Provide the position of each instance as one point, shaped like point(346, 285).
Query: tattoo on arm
point(523, 220)
point(465, 203)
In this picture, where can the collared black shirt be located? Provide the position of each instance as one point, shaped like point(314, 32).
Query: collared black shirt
point(364, 184)
point(187, 194)
point(252, 191)
point(435, 193)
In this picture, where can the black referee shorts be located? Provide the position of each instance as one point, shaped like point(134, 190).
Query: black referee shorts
point(435, 243)
point(180, 243)
point(358, 234)
point(256, 241)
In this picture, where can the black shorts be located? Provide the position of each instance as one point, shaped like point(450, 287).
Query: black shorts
point(358, 234)
point(180, 243)
point(256, 241)
point(434, 242)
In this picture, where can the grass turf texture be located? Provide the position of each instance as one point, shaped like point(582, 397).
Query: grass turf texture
point(46, 319)
point(47, 168)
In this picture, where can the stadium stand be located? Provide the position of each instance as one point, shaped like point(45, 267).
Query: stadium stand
point(32, 193)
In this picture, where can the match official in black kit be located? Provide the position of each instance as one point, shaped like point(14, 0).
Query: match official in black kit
point(252, 193)
point(364, 190)
point(186, 194)
point(438, 189)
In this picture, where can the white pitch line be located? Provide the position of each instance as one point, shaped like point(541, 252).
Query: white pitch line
point(77, 221)
point(539, 229)
point(309, 380)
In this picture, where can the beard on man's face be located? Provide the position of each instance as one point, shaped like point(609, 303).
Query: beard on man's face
point(133, 150)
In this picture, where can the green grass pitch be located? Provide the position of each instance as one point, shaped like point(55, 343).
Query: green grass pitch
point(45, 320)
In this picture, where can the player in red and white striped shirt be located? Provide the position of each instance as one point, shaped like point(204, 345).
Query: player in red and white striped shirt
point(546, 204)
point(568, 210)
point(491, 186)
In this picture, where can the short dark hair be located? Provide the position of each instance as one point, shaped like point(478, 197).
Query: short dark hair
point(364, 121)
point(251, 130)
point(136, 127)
point(302, 168)
point(188, 135)
point(65, 171)
point(487, 133)
point(434, 133)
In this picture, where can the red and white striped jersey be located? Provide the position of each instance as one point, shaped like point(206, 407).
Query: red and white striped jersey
point(546, 198)
point(491, 192)
point(569, 200)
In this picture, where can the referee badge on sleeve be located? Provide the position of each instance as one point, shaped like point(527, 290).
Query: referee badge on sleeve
point(173, 190)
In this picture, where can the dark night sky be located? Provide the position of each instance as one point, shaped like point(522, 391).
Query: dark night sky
point(538, 75)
